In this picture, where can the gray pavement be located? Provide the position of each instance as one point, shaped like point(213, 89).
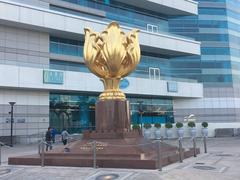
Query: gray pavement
point(222, 162)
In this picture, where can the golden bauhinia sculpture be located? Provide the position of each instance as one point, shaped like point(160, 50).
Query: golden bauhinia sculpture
point(111, 55)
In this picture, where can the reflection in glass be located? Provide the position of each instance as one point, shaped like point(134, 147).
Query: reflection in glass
point(77, 112)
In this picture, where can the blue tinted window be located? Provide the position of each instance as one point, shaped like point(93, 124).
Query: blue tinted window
point(66, 46)
point(216, 78)
point(219, 44)
point(211, 11)
point(68, 66)
point(124, 13)
point(215, 51)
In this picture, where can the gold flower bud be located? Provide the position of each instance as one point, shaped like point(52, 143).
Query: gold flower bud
point(111, 55)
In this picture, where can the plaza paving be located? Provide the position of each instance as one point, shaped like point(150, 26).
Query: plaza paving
point(222, 162)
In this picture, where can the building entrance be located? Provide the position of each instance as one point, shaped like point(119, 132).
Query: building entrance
point(77, 112)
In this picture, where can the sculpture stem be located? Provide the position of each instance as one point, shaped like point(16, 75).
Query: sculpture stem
point(111, 89)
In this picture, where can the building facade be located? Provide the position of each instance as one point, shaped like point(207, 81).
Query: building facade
point(43, 71)
point(217, 28)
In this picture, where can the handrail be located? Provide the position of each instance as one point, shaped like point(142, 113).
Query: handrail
point(43, 141)
point(41, 151)
point(3, 144)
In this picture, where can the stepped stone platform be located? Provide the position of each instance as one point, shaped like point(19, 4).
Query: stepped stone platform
point(113, 150)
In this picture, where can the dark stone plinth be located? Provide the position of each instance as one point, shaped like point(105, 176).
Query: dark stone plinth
point(112, 121)
point(112, 115)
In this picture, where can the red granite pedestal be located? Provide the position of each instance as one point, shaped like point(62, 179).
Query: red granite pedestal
point(117, 146)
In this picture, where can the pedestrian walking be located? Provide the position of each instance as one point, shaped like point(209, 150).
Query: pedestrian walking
point(65, 136)
point(48, 139)
point(53, 134)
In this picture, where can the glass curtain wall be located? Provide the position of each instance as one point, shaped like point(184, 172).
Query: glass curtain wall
point(125, 14)
point(218, 32)
point(76, 112)
point(66, 46)
point(233, 12)
point(152, 65)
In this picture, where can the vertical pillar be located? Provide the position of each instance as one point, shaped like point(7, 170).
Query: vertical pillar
point(205, 144)
point(0, 153)
point(11, 104)
point(94, 155)
point(194, 147)
point(159, 163)
point(180, 150)
point(42, 155)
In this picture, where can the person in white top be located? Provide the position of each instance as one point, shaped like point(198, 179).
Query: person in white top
point(65, 136)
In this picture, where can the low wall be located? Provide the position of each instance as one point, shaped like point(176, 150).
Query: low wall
point(211, 129)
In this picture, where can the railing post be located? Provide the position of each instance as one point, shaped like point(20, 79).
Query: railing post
point(42, 155)
point(39, 148)
point(180, 150)
point(94, 155)
point(205, 144)
point(0, 154)
point(194, 147)
point(159, 155)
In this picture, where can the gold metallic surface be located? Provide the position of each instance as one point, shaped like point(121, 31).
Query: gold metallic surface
point(111, 55)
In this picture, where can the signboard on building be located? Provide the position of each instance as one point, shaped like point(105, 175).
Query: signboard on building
point(172, 86)
point(20, 120)
point(52, 77)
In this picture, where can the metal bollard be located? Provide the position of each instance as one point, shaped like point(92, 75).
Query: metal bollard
point(180, 150)
point(194, 147)
point(39, 149)
point(205, 144)
point(161, 138)
point(94, 155)
point(42, 155)
point(0, 154)
point(159, 155)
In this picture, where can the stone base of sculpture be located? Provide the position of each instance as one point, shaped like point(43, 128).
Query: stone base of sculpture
point(133, 153)
point(112, 115)
point(117, 146)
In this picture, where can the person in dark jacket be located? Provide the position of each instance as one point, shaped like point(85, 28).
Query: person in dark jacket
point(53, 134)
point(48, 138)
